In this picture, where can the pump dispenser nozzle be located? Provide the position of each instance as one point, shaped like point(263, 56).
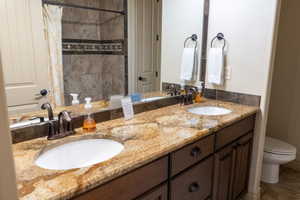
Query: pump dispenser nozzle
point(88, 104)
point(75, 100)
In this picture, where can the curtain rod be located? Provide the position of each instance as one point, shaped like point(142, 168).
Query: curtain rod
point(49, 2)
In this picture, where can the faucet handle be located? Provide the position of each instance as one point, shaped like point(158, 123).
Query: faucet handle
point(193, 90)
point(61, 128)
point(65, 123)
point(65, 115)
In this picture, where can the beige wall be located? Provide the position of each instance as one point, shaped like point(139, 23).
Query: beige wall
point(250, 29)
point(284, 121)
point(180, 19)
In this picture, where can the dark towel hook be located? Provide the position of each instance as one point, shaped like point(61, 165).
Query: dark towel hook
point(194, 38)
point(219, 36)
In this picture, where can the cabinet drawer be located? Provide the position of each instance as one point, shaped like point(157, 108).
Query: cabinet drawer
point(131, 185)
point(233, 132)
point(160, 193)
point(191, 154)
point(194, 184)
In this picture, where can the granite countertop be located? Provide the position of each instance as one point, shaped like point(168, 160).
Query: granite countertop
point(147, 137)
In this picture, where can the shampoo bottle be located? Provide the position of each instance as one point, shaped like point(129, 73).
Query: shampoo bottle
point(89, 124)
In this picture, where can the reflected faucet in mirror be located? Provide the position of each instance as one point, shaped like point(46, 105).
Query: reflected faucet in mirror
point(172, 90)
point(48, 107)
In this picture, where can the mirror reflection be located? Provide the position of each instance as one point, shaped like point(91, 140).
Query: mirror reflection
point(103, 48)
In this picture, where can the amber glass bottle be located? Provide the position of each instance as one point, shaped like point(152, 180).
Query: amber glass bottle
point(198, 98)
point(89, 123)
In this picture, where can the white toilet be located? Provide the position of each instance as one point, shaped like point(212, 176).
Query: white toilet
point(276, 153)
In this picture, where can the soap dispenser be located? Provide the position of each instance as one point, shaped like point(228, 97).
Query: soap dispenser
point(89, 123)
point(182, 89)
point(75, 104)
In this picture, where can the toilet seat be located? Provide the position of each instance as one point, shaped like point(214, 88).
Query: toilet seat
point(275, 146)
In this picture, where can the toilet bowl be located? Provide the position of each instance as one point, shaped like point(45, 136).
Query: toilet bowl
point(276, 153)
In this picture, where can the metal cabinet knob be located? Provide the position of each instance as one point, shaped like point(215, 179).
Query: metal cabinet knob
point(194, 187)
point(195, 151)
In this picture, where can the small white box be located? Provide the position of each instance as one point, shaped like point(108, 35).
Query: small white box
point(127, 108)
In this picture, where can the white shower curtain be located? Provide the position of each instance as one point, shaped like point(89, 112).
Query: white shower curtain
point(53, 32)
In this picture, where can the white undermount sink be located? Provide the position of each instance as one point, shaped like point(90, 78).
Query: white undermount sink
point(78, 154)
point(209, 111)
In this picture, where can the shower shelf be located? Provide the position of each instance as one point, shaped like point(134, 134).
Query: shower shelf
point(83, 46)
point(49, 2)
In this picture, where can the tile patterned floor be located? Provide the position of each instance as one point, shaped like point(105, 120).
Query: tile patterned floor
point(288, 187)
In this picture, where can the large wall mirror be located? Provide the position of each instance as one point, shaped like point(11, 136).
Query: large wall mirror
point(97, 48)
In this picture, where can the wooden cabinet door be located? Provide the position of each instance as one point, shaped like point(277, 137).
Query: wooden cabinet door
point(224, 170)
point(242, 165)
point(232, 169)
point(160, 193)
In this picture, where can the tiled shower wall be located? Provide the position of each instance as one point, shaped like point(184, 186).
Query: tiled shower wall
point(96, 76)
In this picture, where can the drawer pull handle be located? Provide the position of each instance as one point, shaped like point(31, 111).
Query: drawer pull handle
point(194, 187)
point(195, 151)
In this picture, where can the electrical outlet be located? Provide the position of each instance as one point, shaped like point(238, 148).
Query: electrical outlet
point(228, 73)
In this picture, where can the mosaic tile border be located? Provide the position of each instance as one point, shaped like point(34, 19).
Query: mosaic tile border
point(106, 47)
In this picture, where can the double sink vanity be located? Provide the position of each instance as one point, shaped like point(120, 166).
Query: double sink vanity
point(102, 52)
point(194, 152)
